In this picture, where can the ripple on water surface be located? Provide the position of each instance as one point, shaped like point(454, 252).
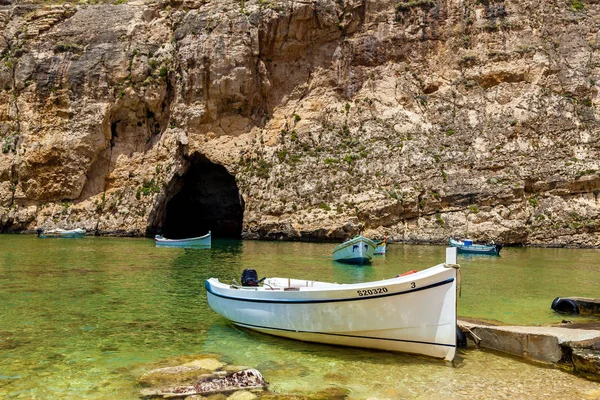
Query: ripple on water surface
point(82, 318)
point(301, 368)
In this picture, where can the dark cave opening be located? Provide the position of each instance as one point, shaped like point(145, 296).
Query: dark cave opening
point(208, 200)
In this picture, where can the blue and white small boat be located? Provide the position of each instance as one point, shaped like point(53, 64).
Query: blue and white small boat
point(381, 247)
point(200, 241)
point(61, 233)
point(467, 246)
point(358, 250)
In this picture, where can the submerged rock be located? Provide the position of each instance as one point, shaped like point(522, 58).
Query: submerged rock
point(246, 379)
point(242, 395)
point(332, 393)
point(192, 380)
point(180, 374)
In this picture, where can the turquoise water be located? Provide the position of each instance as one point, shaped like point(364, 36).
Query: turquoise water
point(83, 318)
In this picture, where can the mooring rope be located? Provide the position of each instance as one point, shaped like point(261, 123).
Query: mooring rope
point(458, 277)
point(474, 335)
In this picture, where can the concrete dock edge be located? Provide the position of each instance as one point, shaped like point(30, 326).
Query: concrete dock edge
point(573, 349)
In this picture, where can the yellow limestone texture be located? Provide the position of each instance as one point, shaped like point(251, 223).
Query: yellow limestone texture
point(411, 119)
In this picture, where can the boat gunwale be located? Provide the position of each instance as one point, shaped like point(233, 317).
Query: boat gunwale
point(209, 289)
point(352, 241)
point(471, 248)
point(399, 279)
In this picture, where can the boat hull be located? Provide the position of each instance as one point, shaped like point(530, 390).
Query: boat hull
point(201, 241)
point(491, 252)
point(380, 249)
point(475, 248)
point(412, 314)
point(60, 233)
point(359, 250)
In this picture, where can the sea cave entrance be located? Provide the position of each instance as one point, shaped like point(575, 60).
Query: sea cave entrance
point(206, 199)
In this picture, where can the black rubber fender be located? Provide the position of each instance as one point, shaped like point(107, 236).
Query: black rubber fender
point(461, 338)
point(565, 306)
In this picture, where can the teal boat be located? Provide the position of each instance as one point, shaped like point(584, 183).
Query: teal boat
point(381, 247)
point(358, 250)
point(467, 246)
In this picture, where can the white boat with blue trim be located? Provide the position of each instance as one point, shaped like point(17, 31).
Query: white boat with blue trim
point(358, 250)
point(61, 233)
point(200, 241)
point(414, 313)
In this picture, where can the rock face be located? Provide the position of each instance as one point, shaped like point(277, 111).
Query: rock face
point(586, 361)
point(417, 120)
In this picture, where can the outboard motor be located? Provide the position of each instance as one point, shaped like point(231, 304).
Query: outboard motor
point(250, 277)
point(498, 247)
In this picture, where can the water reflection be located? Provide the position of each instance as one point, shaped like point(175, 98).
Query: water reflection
point(351, 273)
point(295, 367)
point(81, 319)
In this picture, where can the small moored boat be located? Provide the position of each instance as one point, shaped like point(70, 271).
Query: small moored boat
point(200, 241)
point(61, 233)
point(412, 313)
point(381, 247)
point(358, 250)
point(467, 246)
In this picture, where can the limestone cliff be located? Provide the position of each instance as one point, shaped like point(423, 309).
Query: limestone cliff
point(412, 119)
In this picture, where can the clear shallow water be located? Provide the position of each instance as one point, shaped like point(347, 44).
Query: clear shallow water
point(83, 318)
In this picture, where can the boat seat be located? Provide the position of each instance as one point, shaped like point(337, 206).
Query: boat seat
point(287, 283)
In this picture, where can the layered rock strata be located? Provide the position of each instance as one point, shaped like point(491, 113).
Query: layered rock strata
point(411, 119)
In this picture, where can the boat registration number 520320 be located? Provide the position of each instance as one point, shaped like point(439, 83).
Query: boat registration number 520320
point(370, 292)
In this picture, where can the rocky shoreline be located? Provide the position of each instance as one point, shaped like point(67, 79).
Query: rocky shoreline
point(390, 240)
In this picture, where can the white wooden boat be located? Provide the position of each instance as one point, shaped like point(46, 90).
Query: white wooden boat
point(61, 233)
point(200, 241)
point(381, 247)
point(358, 250)
point(415, 313)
